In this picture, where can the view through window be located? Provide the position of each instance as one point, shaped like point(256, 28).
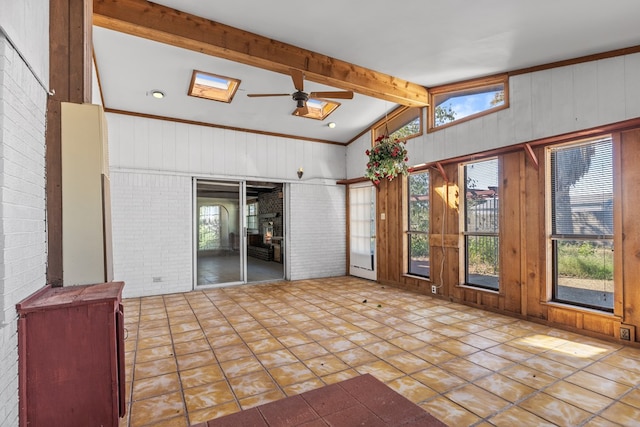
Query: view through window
point(418, 230)
point(582, 223)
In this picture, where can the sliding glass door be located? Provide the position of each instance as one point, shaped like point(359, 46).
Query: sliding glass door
point(238, 232)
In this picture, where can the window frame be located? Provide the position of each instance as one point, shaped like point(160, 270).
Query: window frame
point(464, 255)
point(396, 120)
point(554, 238)
point(409, 232)
point(466, 87)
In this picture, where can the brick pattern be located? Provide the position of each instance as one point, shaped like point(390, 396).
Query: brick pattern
point(317, 243)
point(152, 232)
point(22, 214)
point(270, 203)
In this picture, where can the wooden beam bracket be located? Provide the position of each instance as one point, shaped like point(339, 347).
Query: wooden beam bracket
point(443, 173)
point(531, 155)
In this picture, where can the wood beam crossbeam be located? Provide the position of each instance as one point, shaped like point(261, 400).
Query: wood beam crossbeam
point(163, 24)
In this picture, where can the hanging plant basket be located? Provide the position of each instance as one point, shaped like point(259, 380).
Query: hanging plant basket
point(387, 159)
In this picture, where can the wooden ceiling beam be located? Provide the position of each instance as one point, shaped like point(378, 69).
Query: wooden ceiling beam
point(163, 24)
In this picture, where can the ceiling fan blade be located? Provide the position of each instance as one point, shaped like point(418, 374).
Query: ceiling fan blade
point(298, 79)
point(257, 95)
point(338, 94)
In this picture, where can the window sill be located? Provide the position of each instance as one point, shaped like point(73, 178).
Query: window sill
point(584, 310)
point(479, 289)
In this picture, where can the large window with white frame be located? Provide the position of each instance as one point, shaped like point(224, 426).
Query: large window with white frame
point(481, 224)
point(418, 224)
point(582, 223)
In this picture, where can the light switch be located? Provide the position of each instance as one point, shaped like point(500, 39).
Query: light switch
point(383, 216)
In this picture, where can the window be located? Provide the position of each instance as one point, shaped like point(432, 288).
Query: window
point(582, 223)
point(464, 101)
point(481, 224)
point(318, 109)
point(418, 229)
point(403, 123)
point(212, 86)
point(252, 216)
point(209, 228)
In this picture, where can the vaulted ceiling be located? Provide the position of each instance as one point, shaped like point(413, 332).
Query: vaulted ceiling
point(388, 53)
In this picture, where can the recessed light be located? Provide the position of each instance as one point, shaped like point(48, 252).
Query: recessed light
point(331, 125)
point(158, 94)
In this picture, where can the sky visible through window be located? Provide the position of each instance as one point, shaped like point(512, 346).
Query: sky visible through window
point(467, 105)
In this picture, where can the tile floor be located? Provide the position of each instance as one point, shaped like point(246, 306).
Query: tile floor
point(196, 356)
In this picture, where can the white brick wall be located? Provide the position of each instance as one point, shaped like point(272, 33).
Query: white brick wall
point(316, 240)
point(152, 234)
point(22, 210)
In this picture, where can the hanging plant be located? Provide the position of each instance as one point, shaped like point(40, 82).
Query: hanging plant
point(387, 159)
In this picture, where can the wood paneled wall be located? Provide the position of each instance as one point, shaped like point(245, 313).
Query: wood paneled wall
point(524, 247)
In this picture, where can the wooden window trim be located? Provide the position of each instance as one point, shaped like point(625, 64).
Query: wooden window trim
point(400, 114)
point(469, 85)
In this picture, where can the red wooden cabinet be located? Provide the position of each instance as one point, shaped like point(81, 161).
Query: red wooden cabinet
point(71, 356)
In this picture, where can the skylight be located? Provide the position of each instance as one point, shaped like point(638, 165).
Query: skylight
point(319, 109)
point(213, 86)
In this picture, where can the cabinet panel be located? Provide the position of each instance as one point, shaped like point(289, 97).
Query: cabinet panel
point(71, 356)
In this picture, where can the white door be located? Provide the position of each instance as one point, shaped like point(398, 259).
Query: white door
point(362, 231)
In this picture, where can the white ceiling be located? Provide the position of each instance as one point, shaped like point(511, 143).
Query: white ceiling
point(422, 41)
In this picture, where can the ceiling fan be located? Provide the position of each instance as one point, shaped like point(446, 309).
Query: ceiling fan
point(302, 97)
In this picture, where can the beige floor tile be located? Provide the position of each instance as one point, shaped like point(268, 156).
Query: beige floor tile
point(325, 365)
point(465, 369)
point(154, 341)
point(477, 341)
point(363, 338)
point(156, 408)
point(578, 396)
point(383, 349)
point(381, 370)
point(217, 341)
point(511, 353)
point(239, 367)
point(477, 400)
point(412, 389)
point(191, 346)
point(308, 351)
point(528, 376)
point(201, 375)
point(504, 387)
point(155, 368)
point(301, 387)
point(261, 399)
point(600, 422)
point(291, 374)
point(516, 416)
point(183, 337)
point(622, 413)
point(232, 352)
point(193, 360)
point(265, 345)
point(438, 379)
point(154, 386)
point(408, 362)
point(555, 410)
point(252, 384)
point(449, 412)
point(276, 358)
point(597, 384)
point(340, 376)
point(207, 396)
point(556, 369)
point(154, 353)
point(489, 360)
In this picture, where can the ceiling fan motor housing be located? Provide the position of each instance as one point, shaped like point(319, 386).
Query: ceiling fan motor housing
point(300, 97)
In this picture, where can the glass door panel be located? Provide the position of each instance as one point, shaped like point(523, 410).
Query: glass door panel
point(219, 232)
point(362, 229)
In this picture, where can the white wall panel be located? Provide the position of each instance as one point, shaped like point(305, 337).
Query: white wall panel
point(585, 95)
point(521, 106)
point(632, 85)
point(562, 104)
point(611, 90)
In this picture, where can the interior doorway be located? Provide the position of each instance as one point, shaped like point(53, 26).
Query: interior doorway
point(362, 231)
point(238, 232)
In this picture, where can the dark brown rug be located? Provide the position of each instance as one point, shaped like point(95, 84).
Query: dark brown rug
point(359, 401)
